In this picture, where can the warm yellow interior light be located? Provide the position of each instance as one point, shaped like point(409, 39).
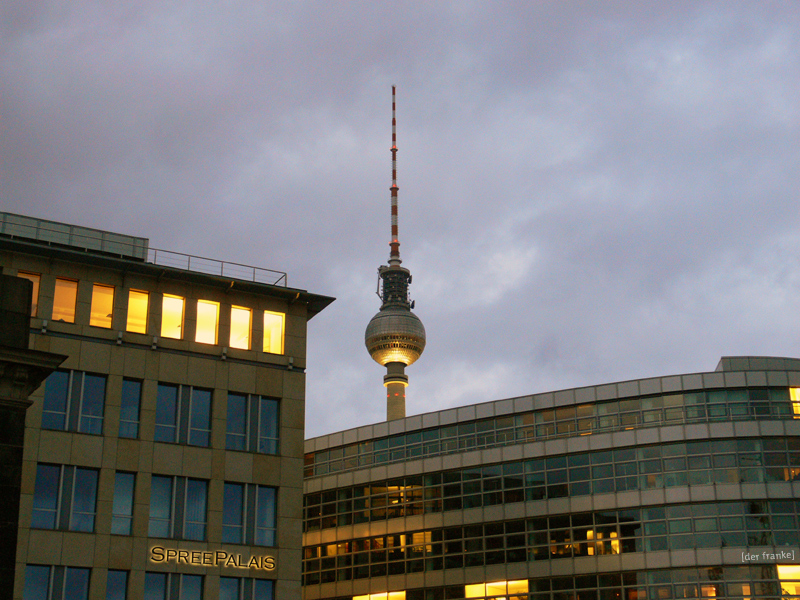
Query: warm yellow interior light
point(34, 278)
point(207, 321)
point(273, 332)
point(789, 576)
point(496, 588)
point(794, 393)
point(172, 317)
point(382, 596)
point(102, 306)
point(138, 303)
point(241, 319)
point(64, 298)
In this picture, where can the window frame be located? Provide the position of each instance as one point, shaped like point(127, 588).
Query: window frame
point(269, 346)
point(236, 326)
point(121, 513)
point(130, 403)
point(130, 326)
point(251, 436)
point(190, 406)
point(169, 322)
point(177, 520)
point(64, 508)
point(246, 517)
point(206, 323)
point(65, 293)
point(58, 579)
point(105, 321)
point(74, 414)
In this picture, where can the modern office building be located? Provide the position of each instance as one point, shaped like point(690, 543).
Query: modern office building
point(683, 486)
point(163, 460)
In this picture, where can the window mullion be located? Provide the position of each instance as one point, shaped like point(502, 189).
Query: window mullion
point(65, 497)
point(58, 582)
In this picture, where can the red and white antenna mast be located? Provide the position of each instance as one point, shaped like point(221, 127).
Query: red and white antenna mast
point(394, 254)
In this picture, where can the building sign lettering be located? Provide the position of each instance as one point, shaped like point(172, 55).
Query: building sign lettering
point(218, 558)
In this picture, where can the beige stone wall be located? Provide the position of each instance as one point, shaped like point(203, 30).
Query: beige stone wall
point(186, 362)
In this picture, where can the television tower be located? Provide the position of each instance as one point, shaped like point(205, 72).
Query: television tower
point(395, 337)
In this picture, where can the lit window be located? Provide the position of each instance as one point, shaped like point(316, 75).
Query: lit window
point(117, 585)
point(43, 582)
point(240, 327)
point(244, 588)
point(65, 497)
point(498, 588)
point(74, 401)
point(172, 317)
point(183, 415)
point(122, 510)
point(64, 298)
point(138, 303)
point(253, 424)
point(178, 508)
point(789, 576)
point(102, 306)
point(34, 278)
point(794, 393)
point(207, 319)
point(383, 596)
point(248, 515)
point(172, 586)
point(273, 332)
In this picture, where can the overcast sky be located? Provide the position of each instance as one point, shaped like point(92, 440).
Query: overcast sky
point(589, 191)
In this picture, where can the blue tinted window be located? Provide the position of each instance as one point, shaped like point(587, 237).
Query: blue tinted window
point(122, 512)
point(265, 517)
point(76, 584)
point(264, 589)
point(54, 409)
point(200, 418)
point(191, 587)
point(92, 404)
point(117, 585)
point(166, 413)
point(229, 588)
point(129, 411)
point(195, 520)
point(233, 514)
point(236, 438)
point(45, 496)
point(268, 426)
point(84, 500)
point(160, 506)
point(37, 582)
point(155, 586)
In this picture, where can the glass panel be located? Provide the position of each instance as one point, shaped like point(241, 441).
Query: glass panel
point(76, 584)
point(92, 404)
point(155, 586)
point(241, 319)
point(129, 411)
point(138, 303)
point(172, 317)
point(123, 503)
point(229, 588)
point(273, 332)
point(195, 521)
point(37, 582)
point(265, 517)
point(160, 508)
point(45, 496)
point(35, 279)
point(263, 589)
point(268, 426)
point(117, 585)
point(84, 500)
point(102, 306)
point(54, 409)
point(166, 413)
point(200, 418)
point(207, 321)
point(233, 514)
point(66, 293)
point(236, 436)
point(191, 587)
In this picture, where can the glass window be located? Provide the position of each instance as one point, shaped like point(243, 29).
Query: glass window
point(64, 299)
point(138, 304)
point(200, 418)
point(102, 308)
point(273, 332)
point(240, 588)
point(207, 321)
point(117, 585)
point(155, 586)
point(248, 514)
point(241, 320)
point(74, 401)
point(178, 507)
point(172, 586)
point(186, 406)
point(253, 423)
point(166, 413)
point(172, 317)
point(122, 511)
point(129, 411)
point(55, 583)
point(64, 497)
point(35, 279)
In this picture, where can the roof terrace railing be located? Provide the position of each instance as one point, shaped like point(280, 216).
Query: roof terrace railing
point(129, 247)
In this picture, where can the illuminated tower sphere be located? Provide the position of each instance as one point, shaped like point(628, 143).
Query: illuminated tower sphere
point(395, 337)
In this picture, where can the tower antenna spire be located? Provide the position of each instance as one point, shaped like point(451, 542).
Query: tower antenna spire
point(395, 337)
point(394, 254)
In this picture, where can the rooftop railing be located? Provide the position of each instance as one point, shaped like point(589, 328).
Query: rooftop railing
point(129, 247)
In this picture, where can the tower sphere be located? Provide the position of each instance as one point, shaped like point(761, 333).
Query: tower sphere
point(395, 334)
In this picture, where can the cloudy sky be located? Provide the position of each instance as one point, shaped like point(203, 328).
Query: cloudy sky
point(589, 191)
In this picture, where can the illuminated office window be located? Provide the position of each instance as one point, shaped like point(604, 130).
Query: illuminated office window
point(273, 332)
point(66, 294)
point(240, 327)
point(790, 579)
point(383, 596)
point(34, 278)
point(207, 321)
point(497, 589)
point(138, 303)
point(102, 306)
point(794, 393)
point(172, 317)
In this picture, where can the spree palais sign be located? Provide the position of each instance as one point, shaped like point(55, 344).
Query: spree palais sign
point(218, 558)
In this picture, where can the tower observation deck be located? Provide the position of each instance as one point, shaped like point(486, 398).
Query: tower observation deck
point(395, 337)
